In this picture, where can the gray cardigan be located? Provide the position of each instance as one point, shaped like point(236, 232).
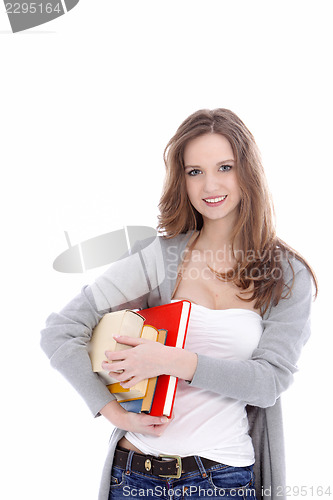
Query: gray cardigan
point(147, 278)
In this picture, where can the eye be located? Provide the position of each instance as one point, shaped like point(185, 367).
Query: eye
point(193, 172)
point(225, 168)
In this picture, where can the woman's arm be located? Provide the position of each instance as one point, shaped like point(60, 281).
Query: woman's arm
point(260, 380)
point(66, 334)
point(64, 340)
point(149, 359)
point(134, 422)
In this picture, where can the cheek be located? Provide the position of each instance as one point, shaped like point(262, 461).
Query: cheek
point(235, 187)
point(238, 193)
point(190, 189)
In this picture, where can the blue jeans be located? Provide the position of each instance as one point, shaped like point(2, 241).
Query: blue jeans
point(221, 481)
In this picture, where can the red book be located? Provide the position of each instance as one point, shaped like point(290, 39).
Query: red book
point(174, 318)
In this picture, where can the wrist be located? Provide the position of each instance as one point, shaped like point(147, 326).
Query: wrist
point(115, 414)
point(181, 363)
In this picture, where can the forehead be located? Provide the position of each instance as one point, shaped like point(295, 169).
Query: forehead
point(207, 148)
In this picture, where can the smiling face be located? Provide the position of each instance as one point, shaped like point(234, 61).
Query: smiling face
point(210, 176)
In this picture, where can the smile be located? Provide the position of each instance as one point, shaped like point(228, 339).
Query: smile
point(213, 201)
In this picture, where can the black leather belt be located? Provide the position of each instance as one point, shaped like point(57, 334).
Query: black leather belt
point(162, 466)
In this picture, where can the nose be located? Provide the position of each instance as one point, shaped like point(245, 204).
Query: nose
point(212, 183)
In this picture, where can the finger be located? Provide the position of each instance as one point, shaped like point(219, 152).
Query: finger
point(118, 376)
point(150, 420)
point(159, 429)
point(124, 378)
point(127, 382)
point(115, 355)
point(122, 372)
point(113, 367)
point(124, 339)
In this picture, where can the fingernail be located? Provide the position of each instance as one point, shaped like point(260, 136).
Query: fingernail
point(164, 420)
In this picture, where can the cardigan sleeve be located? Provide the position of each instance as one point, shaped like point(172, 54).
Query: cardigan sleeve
point(126, 284)
point(260, 380)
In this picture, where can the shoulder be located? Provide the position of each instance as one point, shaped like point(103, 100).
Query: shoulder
point(294, 269)
point(162, 240)
point(160, 246)
point(156, 255)
point(298, 290)
point(177, 243)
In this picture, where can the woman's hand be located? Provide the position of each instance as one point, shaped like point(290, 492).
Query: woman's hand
point(147, 359)
point(135, 422)
point(146, 424)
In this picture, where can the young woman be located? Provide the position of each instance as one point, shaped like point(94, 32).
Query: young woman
point(251, 296)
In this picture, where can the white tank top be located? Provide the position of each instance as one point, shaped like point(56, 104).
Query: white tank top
point(206, 423)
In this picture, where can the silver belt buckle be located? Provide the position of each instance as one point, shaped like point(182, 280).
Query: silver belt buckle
point(178, 466)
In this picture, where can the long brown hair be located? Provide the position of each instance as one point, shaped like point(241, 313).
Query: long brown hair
point(255, 229)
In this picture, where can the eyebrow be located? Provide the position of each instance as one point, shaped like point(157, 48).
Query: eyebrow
point(217, 164)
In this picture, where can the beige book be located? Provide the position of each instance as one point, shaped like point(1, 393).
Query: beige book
point(125, 322)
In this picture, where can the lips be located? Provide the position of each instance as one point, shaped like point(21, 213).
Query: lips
point(214, 202)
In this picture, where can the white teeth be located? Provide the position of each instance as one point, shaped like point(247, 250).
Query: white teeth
point(216, 200)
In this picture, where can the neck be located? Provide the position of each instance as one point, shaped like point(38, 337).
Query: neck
point(215, 235)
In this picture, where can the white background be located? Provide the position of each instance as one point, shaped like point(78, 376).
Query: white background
point(88, 102)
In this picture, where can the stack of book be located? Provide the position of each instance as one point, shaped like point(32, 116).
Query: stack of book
point(166, 324)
